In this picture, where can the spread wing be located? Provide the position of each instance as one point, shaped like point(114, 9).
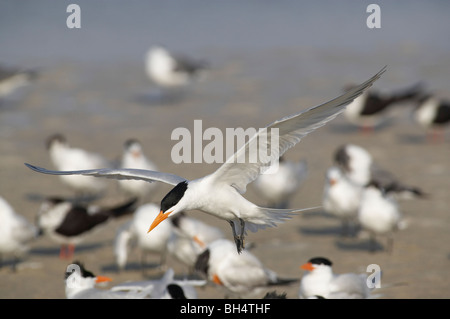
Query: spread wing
point(247, 163)
point(123, 173)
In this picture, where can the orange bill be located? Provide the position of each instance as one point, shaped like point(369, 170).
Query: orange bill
point(99, 279)
point(307, 266)
point(199, 241)
point(161, 217)
point(216, 279)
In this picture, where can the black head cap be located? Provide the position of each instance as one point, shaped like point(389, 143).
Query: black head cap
point(320, 261)
point(174, 196)
point(342, 158)
point(84, 272)
point(55, 137)
point(202, 263)
point(175, 291)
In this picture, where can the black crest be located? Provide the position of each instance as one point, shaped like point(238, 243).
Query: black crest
point(341, 158)
point(202, 263)
point(84, 272)
point(320, 261)
point(174, 196)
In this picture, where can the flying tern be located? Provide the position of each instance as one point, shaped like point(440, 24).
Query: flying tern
point(220, 193)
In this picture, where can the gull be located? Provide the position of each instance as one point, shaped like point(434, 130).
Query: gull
point(136, 230)
point(16, 232)
point(379, 214)
point(341, 198)
point(433, 114)
point(12, 79)
point(171, 71)
point(69, 223)
point(166, 287)
point(133, 157)
point(320, 280)
point(220, 193)
point(359, 167)
point(278, 187)
point(242, 275)
point(66, 157)
point(369, 109)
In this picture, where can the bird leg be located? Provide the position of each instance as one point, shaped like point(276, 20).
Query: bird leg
point(239, 239)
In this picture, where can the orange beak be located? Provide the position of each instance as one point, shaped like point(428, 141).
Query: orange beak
point(307, 266)
point(332, 181)
point(161, 217)
point(198, 241)
point(217, 280)
point(99, 279)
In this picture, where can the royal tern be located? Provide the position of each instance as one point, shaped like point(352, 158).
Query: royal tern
point(16, 233)
point(66, 157)
point(433, 114)
point(321, 281)
point(189, 238)
point(133, 157)
point(168, 70)
point(13, 78)
point(81, 284)
point(68, 223)
point(220, 193)
point(136, 230)
point(341, 198)
point(379, 214)
point(242, 275)
point(370, 109)
point(278, 187)
point(358, 166)
point(167, 287)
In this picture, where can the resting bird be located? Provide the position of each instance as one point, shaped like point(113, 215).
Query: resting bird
point(319, 280)
point(242, 275)
point(16, 233)
point(433, 114)
point(69, 223)
point(220, 193)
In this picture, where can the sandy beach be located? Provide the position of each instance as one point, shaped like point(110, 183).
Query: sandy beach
point(97, 106)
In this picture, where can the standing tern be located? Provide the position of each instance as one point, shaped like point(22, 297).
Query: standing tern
point(16, 232)
point(220, 193)
point(66, 157)
point(242, 275)
point(320, 280)
point(133, 157)
point(279, 187)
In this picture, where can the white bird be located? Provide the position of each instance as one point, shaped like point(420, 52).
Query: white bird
point(341, 198)
point(379, 214)
point(433, 114)
point(168, 70)
point(242, 275)
point(11, 79)
point(136, 230)
point(16, 233)
point(69, 223)
point(66, 157)
point(220, 193)
point(321, 281)
point(278, 187)
point(80, 283)
point(359, 167)
point(190, 237)
point(133, 157)
point(167, 287)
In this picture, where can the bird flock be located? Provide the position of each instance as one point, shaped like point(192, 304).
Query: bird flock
point(357, 191)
